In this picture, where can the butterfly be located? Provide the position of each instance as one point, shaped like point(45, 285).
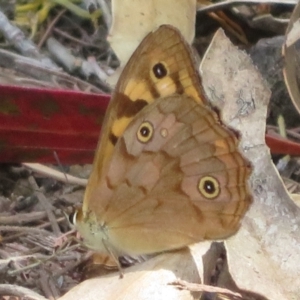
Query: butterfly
point(167, 173)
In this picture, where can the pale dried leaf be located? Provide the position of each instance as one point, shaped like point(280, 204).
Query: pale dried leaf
point(264, 255)
point(292, 57)
point(133, 20)
point(296, 198)
point(149, 280)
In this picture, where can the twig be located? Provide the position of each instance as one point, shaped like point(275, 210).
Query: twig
point(16, 37)
point(23, 229)
point(72, 63)
point(83, 34)
point(23, 232)
point(10, 59)
point(47, 206)
point(40, 261)
point(44, 170)
point(46, 242)
point(47, 285)
point(34, 69)
point(196, 287)
point(74, 39)
point(70, 267)
point(229, 3)
point(4, 263)
point(22, 269)
point(105, 12)
point(290, 132)
point(77, 10)
point(50, 27)
point(18, 291)
point(22, 218)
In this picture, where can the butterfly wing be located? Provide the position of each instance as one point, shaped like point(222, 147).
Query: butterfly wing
point(176, 177)
point(162, 65)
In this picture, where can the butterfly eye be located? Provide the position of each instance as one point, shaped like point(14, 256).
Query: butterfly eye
point(160, 70)
point(145, 132)
point(209, 187)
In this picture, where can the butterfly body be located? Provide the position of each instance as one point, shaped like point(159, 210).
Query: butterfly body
point(167, 173)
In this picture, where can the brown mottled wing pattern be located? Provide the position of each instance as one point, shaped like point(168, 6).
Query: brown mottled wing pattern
point(176, 177)
point(161, 66)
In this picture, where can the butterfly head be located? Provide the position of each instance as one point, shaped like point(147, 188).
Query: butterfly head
point(94, 235)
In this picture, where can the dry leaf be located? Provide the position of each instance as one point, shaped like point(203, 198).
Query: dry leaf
point(133, 20)
point(292, 57)
point(264, 255)
point(149, 280)
point(296, 198)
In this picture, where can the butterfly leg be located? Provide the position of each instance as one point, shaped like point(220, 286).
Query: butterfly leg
point(114, 256)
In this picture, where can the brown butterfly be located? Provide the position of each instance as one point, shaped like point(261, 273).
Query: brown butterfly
point(167, 172)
